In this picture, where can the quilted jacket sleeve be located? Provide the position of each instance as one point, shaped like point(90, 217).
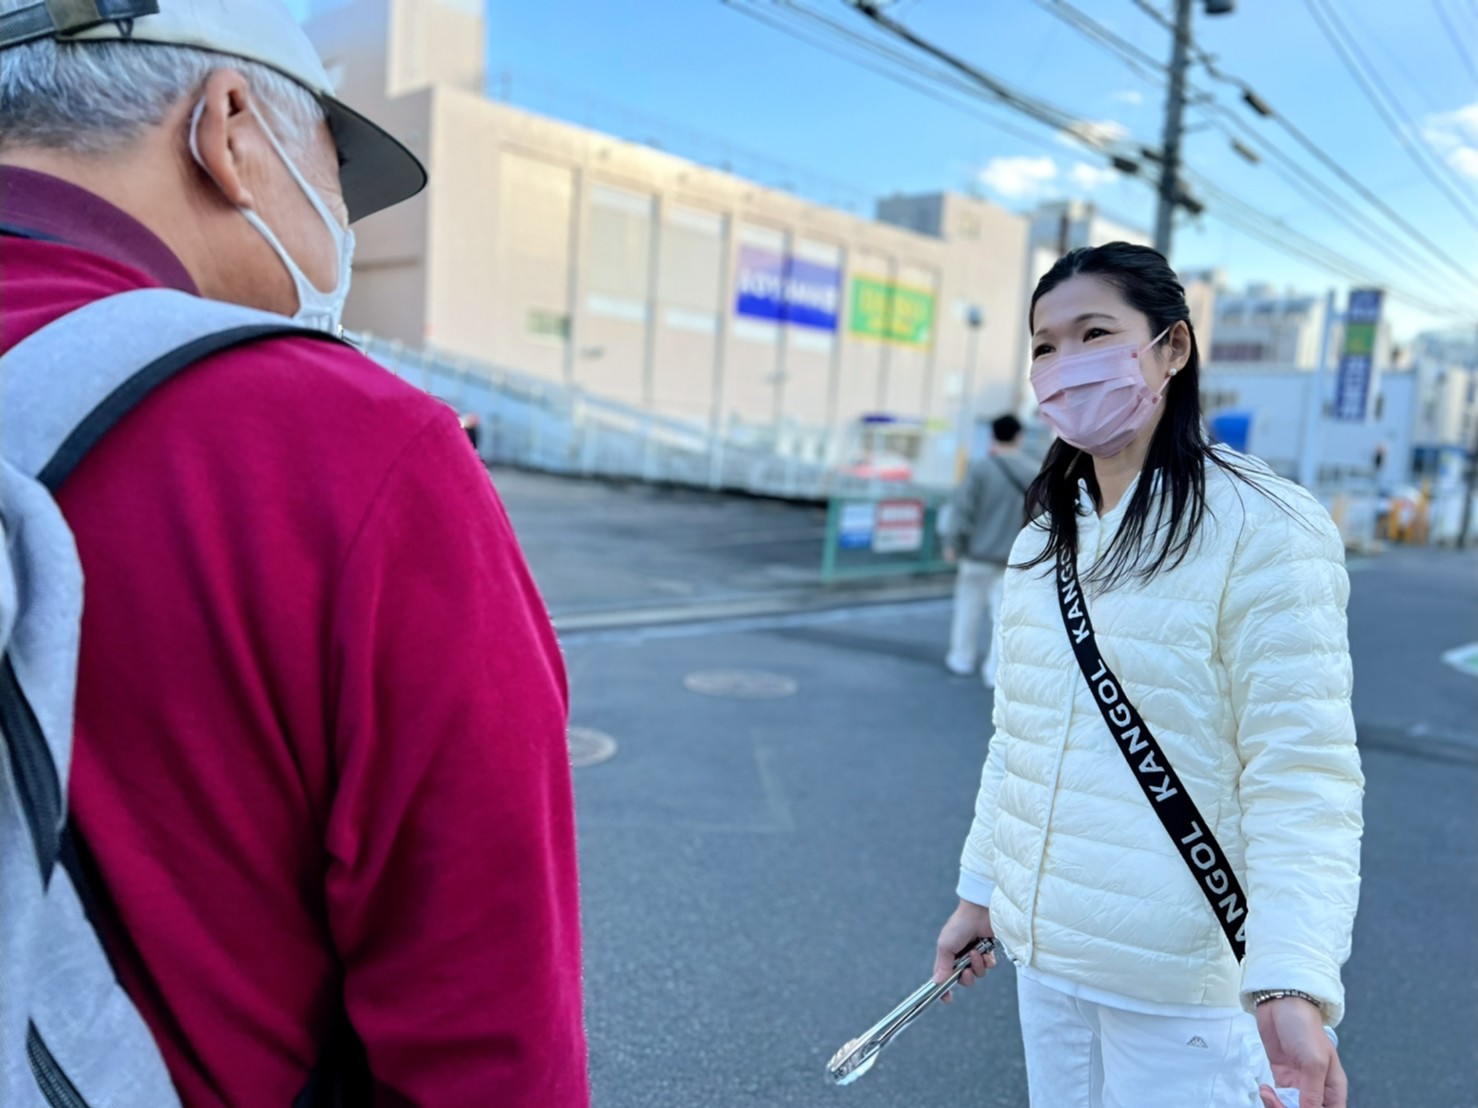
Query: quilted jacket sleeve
point(1285, 645)
point(977, 876)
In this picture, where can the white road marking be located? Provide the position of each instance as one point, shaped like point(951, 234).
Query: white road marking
point(1464, 659)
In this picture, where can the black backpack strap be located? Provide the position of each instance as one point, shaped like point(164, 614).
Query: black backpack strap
point(1168, 798)
point(1004, 468)
point(341, 1078)
point(127, 396)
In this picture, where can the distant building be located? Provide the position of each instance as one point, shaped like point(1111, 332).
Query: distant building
point(1262, 327)
point(1381, 449)
point(1446, 433)
point(609, 266)
point(1063, 225)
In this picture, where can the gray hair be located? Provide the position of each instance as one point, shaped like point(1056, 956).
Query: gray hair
point(96, 97)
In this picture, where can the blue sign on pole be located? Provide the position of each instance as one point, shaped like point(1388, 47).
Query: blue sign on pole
point(787, 290)
point(1357, 359)
point(855, 528)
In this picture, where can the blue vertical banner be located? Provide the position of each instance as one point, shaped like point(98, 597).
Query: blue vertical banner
point(1357, 356)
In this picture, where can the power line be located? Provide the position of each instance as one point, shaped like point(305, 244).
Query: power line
point(1272, 231)
point(1035, 107)
point(1106, 38)
point(1397, 62)
point(933, 93)
point(1328, 21)
point(1317, 192)
point(1253, 100)
point(1132, 56)
point(1122, 152)
point(1457, 38)
point(1278, 233)
point(1290, 237)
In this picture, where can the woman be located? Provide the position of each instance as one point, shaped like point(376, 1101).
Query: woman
point(1216, 595)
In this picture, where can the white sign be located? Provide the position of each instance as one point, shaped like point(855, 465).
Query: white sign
point(899, 528)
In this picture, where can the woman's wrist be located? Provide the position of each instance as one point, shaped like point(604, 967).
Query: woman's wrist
point(1262, 996)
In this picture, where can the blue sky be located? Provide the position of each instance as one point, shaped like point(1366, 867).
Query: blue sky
point(700, 74)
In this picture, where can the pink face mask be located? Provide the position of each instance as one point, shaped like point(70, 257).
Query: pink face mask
point(1097, 400)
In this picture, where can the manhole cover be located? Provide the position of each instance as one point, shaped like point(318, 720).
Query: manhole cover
point(740, 684)
point(590, 747)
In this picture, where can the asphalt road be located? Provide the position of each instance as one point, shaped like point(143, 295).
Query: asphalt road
point(598, 546)
point(763, 878)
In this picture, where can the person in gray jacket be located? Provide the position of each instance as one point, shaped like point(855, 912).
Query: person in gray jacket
point(985, 518)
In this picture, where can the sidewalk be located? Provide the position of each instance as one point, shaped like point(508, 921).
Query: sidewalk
point(612, 554)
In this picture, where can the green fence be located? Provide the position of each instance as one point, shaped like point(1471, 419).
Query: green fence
point(886, 537)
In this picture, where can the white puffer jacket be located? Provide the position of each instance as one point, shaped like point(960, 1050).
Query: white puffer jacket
point(1238, 661)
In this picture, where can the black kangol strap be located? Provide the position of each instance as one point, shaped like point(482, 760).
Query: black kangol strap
point(1162, 788)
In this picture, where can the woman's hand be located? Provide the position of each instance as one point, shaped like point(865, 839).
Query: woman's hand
point(969, 924)
point(1302, 1056)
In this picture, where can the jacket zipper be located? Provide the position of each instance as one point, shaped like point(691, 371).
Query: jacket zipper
point(1057, 770)
point(55, 1086)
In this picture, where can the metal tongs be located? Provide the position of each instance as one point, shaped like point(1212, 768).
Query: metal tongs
point(861, 1054)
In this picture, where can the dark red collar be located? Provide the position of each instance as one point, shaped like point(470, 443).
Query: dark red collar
point(39, 206)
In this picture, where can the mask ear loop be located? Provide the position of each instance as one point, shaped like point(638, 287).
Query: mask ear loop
point(1165, 384)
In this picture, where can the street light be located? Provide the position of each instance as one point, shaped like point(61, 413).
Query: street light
point(975, 320)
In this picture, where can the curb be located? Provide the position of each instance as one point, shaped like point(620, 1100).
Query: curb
point(765, 604)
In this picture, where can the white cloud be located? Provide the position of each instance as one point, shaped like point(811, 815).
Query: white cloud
point(1454, 135)
point(1098, 133)
point(1019, 177)
point(1090, 177)
point(1129, 96)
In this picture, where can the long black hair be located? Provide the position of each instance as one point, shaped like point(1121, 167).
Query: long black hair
point(1163, 517)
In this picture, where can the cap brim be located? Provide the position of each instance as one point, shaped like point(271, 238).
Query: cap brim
point(375, 169)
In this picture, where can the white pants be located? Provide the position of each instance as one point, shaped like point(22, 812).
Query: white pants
point(977, 595)
point(1080, 1054)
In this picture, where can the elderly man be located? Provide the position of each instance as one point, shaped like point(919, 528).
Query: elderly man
point(319, 772)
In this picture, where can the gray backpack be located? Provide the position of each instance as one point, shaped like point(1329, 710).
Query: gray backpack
point(69, 1036)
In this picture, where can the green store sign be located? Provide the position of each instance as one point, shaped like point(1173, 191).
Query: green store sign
point(1360, 338)
point(891, 312)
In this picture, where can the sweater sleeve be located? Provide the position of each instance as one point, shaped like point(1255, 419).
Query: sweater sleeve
point(1285, 645)
point(451, 884)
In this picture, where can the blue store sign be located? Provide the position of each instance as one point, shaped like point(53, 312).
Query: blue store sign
point(785, 289)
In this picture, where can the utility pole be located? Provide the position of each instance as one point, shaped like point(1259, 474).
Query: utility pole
point(1170, 144)
point(1171, 195)
point(975, 320)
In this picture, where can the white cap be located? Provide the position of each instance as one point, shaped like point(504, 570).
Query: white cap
point(375, 170)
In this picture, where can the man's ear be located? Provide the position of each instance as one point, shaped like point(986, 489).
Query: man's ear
point(221, 136)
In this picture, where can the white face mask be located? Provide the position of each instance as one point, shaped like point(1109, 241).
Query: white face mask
point(317, 309)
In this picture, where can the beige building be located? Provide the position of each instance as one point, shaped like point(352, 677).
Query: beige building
point(567, 254)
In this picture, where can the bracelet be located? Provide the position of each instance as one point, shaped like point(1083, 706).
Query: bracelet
point(1262, 996)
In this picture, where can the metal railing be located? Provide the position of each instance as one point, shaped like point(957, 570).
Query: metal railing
point(531, 423)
